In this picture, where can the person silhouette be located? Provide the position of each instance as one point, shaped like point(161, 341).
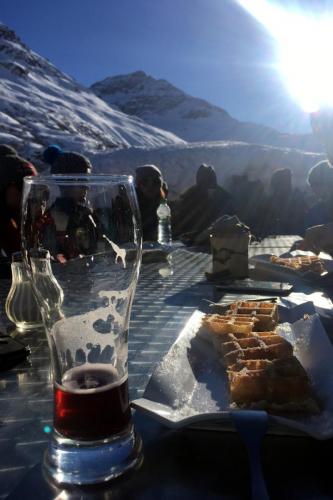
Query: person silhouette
point(200, 205)
point(13, 169)
point(150, 189)
point(70, 229)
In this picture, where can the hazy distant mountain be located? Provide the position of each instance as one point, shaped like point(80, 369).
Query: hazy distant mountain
point(180, 162)
point(39, 105)
point(163, 105)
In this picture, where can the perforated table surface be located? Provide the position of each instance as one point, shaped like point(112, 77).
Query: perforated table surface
point(178, 464)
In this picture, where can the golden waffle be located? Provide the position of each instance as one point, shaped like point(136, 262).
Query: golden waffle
point(220, 324)
point(302, 263)
point(272, 384)
point(266, 313)
point(269, 347)
point(262, 371)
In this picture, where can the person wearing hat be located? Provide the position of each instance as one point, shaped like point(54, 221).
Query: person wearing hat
point(320, 179)
point(66, 162)
point(51, 154)
point(200, 206)
point(13, 169)
point(319, 218)
point(69, 163)
point(283, 210)
point(150, 189)
point(73, 230)
point(318, 225)
point(6, 150)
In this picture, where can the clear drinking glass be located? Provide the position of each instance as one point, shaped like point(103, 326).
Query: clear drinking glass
point(21, 304)
point(82, 242)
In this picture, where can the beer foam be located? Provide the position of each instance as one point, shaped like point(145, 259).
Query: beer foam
point(90, 378)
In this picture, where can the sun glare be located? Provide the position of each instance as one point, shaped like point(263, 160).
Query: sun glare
point(304, 50)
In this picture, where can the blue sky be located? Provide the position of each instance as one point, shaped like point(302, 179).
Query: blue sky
point(209, 48)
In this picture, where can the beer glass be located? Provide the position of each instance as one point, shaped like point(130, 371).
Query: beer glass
point(84, 233)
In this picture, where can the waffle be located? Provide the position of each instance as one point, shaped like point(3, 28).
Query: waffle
point(303, 263)
point(216, 326)
point(272, 384)
point(267, 346)
point(228, 323)
point(265, 313)
point(261, 368)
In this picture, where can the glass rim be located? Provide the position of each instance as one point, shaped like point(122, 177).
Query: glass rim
point(74, 179)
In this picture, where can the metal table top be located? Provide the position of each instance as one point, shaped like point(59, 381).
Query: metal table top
point(178, 464)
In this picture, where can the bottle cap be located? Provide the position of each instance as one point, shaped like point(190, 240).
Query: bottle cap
point(39, 253)
point(17, 257)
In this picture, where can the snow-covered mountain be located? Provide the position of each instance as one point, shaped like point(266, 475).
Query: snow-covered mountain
point(40, 105)
point(163, 105)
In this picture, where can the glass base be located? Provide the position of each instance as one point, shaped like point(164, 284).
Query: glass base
point(83, 462)
point(29, 327)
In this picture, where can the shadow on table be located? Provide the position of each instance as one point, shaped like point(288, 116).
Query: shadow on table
point(198, 249)
point(167, 473)
point(197, 465)
point(192, 296)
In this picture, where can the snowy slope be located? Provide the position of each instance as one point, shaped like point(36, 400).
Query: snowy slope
point(163, 105)
point(40, 105)
point(179, 163)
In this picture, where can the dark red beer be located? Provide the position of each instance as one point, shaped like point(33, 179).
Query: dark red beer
point(91, 403)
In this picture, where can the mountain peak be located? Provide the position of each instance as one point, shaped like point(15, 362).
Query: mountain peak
point(8, 34)
point(40, 105)
point(141, 95)
point(163, 105)
point(137, 82)
point(138, 74)
point(18, 58)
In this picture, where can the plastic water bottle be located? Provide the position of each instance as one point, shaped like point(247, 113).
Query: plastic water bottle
point(164, 236)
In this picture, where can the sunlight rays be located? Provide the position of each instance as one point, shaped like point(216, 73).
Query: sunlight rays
point(304, 47)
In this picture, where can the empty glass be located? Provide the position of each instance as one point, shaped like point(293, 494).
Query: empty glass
point(81, 239)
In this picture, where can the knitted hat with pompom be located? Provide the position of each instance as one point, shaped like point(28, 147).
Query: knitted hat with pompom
point(52, 153)
point(71, 163)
